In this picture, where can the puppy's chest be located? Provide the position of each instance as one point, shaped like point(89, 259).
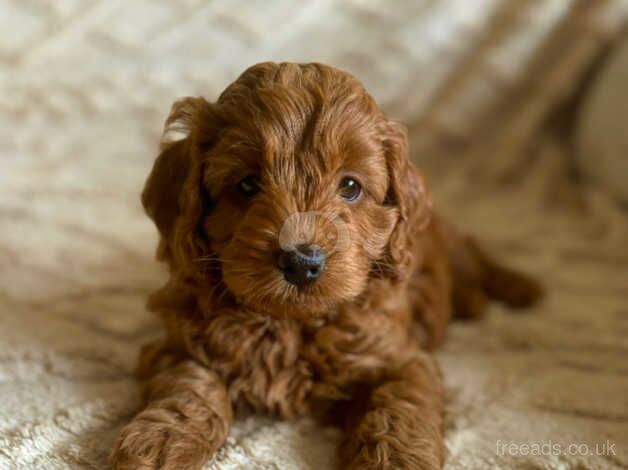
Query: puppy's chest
point(260, 360)
point(283, 367)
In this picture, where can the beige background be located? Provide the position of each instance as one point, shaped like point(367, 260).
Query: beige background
point(486, 88)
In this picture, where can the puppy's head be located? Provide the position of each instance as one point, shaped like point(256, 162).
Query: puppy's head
point(289, 193)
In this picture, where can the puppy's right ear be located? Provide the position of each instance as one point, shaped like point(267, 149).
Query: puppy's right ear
point(187, 131)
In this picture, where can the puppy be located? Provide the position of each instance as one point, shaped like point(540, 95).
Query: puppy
point(308, 276)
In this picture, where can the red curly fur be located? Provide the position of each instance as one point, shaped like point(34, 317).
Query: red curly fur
point(239, 337)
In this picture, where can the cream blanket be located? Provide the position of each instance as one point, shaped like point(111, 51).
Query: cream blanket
point(486, 89)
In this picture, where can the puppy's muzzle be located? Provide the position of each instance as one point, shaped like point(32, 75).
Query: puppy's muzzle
point(302, 264)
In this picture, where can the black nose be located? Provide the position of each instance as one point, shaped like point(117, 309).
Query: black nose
point(302, 265)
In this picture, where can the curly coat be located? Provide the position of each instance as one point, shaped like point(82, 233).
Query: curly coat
point(351, 348)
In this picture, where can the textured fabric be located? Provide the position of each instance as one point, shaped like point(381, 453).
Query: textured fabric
point(484, 87)
point(602, 141)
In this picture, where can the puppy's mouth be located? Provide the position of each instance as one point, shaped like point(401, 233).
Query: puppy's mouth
point(293, 288)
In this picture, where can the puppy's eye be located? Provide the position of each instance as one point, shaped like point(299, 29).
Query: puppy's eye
point(248, 186)
point(349, 189)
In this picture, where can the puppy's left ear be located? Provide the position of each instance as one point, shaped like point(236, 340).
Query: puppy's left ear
point(172, 193)
point(408, 193)
point(186, 131)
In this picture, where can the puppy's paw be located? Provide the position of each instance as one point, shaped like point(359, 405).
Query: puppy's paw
point(387, 454)
point(150, 442)
point(361, 455)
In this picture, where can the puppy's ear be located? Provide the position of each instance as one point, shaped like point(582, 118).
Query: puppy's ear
point(188, 130)
point(408, 193)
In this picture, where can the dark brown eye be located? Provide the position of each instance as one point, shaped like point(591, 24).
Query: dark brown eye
point(349, 189)
point(248, 186)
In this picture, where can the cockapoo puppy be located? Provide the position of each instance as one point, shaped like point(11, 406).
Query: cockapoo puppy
point(308, 276)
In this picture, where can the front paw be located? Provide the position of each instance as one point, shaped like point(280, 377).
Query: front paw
point(388, 453)
point(153, 441)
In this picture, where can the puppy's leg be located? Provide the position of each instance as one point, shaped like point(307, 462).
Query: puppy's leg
point(400, 424)
point(477, 277)
point(186, 420)
point(515, 289)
